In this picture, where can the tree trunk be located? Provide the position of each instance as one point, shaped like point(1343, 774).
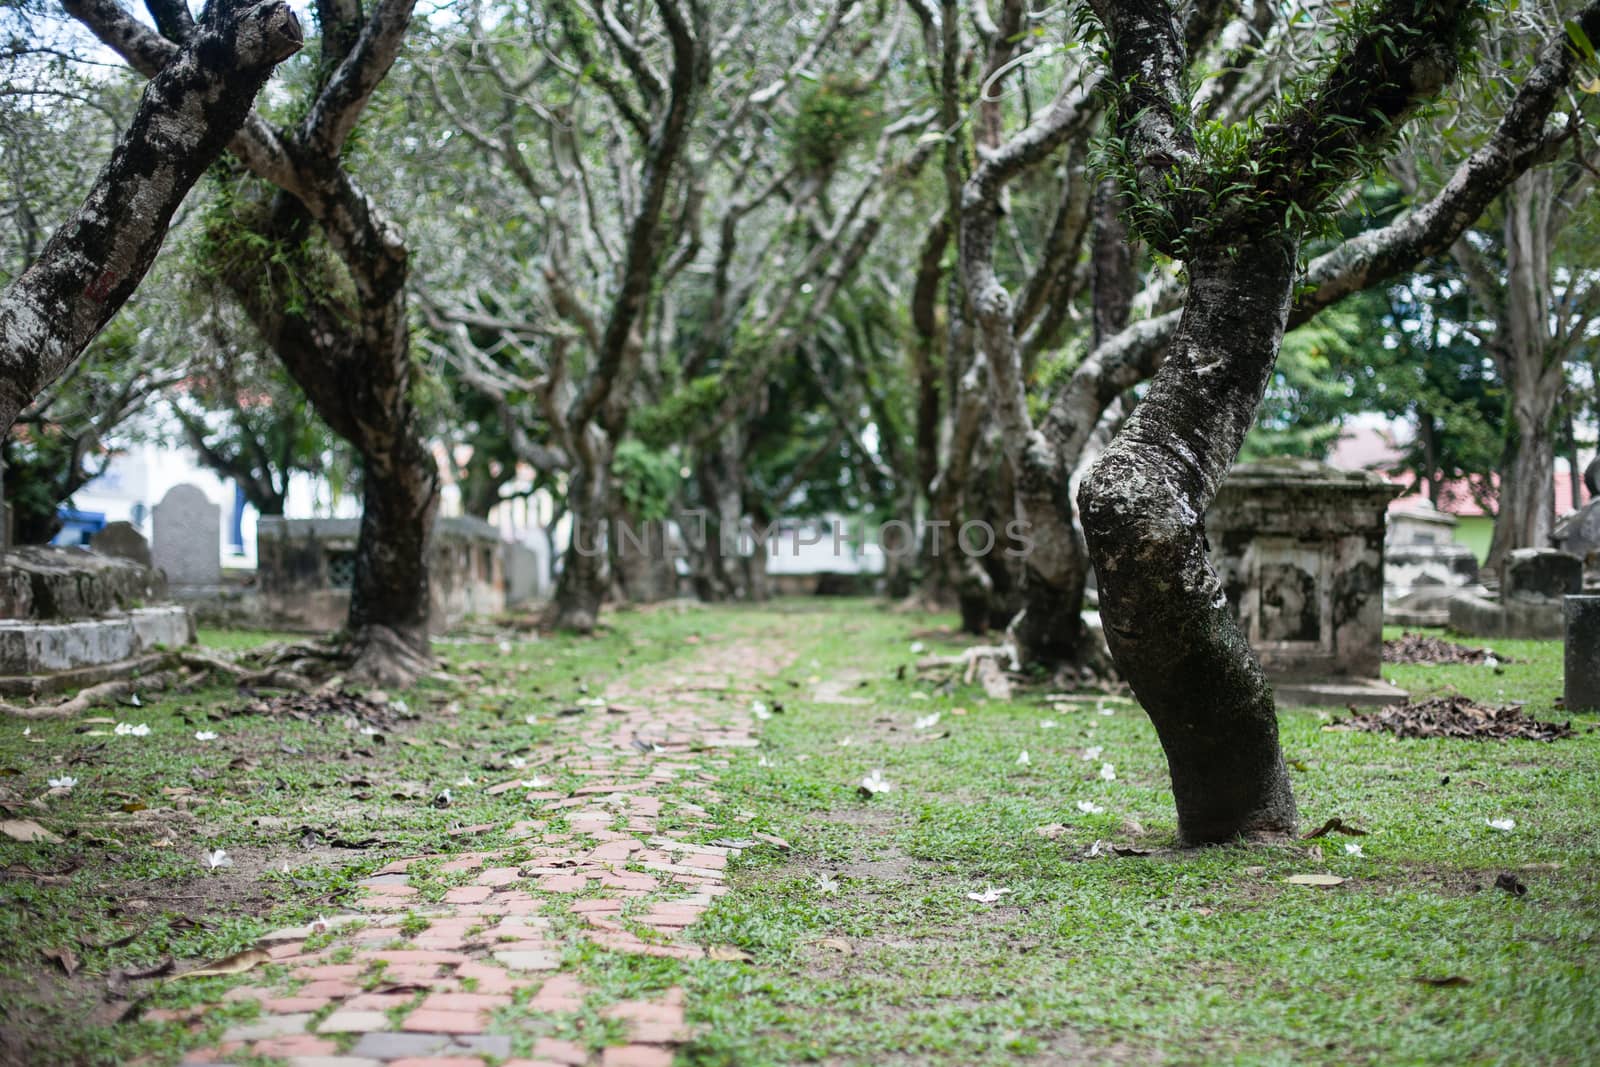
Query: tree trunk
point(1143, 505)
point(91, 265)
point(581, 588)
point(389, 595)
point(1533, 372)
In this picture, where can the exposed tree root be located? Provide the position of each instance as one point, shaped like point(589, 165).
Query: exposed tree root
point(92, 696)
point(382, 656)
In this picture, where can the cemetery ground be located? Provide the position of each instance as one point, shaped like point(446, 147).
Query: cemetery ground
point(985, 908)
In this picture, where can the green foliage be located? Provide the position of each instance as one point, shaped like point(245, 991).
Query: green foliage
point(675, 416)
point(835, 115)
point(648, 480)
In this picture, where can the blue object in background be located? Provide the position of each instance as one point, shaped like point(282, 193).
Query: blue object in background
point(236, 524)
point(78, 526)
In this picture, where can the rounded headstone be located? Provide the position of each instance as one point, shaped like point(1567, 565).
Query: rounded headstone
point(1582, 652)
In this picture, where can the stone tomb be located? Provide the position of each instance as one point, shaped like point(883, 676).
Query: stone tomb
point(305, 568)
point(1579, 534)
point(1423, 566)
point(71, 617)
point(1532, 585)
point(1299, 547)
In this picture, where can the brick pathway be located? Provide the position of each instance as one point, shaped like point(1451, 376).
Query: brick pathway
point(489, 965)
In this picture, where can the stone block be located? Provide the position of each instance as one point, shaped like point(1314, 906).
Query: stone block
point(28, 647)
point(1582, 642)
point(54, 582)
point(1579, 534)
point(1541, 572)
point(1528, 618)
point(123, 540)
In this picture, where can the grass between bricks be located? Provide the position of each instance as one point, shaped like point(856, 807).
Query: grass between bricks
point(1183, 957)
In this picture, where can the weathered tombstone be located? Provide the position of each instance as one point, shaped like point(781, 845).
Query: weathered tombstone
point(1299, 548)
point(1582, 652)
point(188, 536)
point(1579, 534)
point(1541, 572)
point(123, 540)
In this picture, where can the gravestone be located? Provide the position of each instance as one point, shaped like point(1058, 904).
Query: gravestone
point(1541, 572)
point(1579, 534)
point(122, 540)
point(1582, 653)
point(188, 533)
point(1299, 547)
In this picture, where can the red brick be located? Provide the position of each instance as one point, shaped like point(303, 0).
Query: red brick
point(295, 1045)
point(466, 1001)
point(467, 894)
point(636, 1056)
point(566, 1052)
point(446, 1022)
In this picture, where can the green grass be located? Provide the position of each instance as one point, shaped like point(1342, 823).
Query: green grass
point(1205, 956)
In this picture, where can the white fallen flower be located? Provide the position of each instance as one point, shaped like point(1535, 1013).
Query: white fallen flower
point(530, 783)
point(517, 762)
point(370, 731)
point(827, 884)
point(1490, 662)
point(1089, 807)
point(531, 720)
point(1108, 772)
point(1094, 849)
point(399, 705)
point(1048, 724)
point(760, 710)
point(763, 762)
point(845, 742)
point(128, 729)
point(505, 646)
point(1102, 709)
point(926, 722)
point(205, 735)
point(1024, 760)
point(917, 647)
point(466, 779)
point(874, 783)
point(219, 858)
point(989, 895)
point(135, 701)
point(1353, 849)
point(592, 702)
point(1093, 752)
point(1501, 824)
point(64, 782)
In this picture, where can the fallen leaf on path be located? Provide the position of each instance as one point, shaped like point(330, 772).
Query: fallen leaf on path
point(155, 970)
point(728, 954)
point(27, 830)
point(238, 963)
point(65, 958)
point(1335, 825)
point(1315, 879)
point(839, 945)
point(1448, 980)
point(1050, 831)
point(1130, 850)
point(774, 840)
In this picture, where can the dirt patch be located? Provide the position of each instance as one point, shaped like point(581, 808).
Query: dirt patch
point(1422, 648)
point(1455, 716)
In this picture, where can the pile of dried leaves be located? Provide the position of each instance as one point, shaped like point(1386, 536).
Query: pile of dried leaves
point(1421, 648)
point(323, 704)
point(1454, 716)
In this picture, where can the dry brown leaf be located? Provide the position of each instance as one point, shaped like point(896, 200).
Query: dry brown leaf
point(728, 954)
point(1443, 981)
point(27, 830)
point(238, 963)
point(1315, 879)
point(773, 840)
point(839, 945)
point(65, 958)
point(1050, 831)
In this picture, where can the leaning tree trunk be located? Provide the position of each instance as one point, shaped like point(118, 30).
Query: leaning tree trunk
point(91, 265)
point(1143, 506)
